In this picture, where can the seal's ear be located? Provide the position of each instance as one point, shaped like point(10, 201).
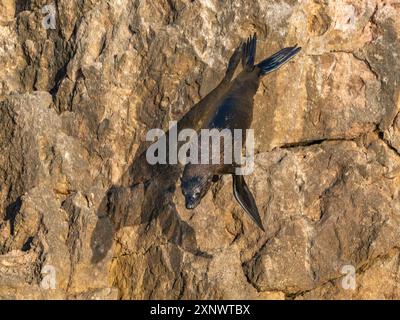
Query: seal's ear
point(246, 199)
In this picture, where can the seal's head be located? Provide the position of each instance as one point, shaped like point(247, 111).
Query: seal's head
point(195, 185)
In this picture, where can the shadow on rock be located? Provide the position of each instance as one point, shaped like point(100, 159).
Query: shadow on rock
point(144, 200)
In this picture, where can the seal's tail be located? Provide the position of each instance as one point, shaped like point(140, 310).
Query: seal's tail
point(249, 52)
point(277, 60)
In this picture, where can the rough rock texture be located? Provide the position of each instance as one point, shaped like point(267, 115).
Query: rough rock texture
point(76, 102)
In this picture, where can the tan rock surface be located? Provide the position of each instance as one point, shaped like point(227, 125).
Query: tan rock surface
point(76, 102)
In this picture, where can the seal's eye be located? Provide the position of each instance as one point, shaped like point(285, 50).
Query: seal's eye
point(196, 192)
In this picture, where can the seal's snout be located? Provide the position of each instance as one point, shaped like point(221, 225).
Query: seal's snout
point(191, 202)
point(190, 205)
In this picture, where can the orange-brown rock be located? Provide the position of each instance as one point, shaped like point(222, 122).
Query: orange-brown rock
point(76, 102)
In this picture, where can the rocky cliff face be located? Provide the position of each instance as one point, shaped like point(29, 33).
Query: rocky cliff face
point(77, 100)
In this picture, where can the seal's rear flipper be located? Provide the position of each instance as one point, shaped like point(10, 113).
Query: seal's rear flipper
point(277, 60)
point(246, 199)
point(233, 63)
point(249, 53)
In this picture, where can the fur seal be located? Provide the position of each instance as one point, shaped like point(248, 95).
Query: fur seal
point(232, 108)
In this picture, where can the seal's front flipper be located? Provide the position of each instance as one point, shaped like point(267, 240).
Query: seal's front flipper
point(233, 63)
point(277, 60)
point(246, 199)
